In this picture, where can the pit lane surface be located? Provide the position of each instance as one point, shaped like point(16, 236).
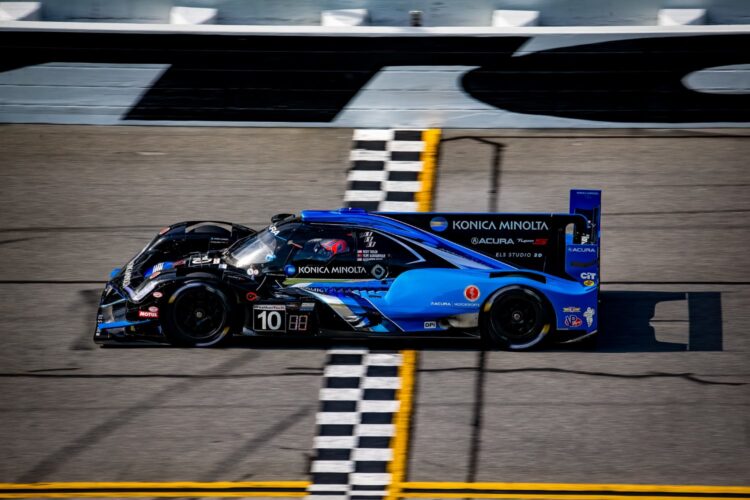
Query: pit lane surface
point(642, 408)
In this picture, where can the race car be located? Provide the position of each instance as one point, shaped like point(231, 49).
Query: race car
point(515, 280)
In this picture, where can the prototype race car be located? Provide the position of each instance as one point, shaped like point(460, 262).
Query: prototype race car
point(514, 279)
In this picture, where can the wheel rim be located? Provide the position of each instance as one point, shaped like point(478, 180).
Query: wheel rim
point(517, 318)
point(200, 314)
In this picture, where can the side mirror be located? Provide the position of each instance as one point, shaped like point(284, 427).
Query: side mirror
point(280, 217)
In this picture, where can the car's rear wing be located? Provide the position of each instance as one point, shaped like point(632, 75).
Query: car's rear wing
point(582, 251)
point(565, 245)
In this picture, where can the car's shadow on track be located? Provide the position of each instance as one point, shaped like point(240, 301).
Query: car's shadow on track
point(628, 323)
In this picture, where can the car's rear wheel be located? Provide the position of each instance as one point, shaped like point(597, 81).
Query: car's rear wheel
point(198, 314)
point(516, 318)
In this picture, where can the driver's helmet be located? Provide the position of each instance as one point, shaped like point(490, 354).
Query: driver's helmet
point(334, 246)
point(324, 248)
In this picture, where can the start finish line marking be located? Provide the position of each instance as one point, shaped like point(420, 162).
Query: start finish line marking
point(363, 425)
point(361, 446)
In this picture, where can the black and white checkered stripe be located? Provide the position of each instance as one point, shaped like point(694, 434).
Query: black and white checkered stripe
point(385, 167)
point(355, 425)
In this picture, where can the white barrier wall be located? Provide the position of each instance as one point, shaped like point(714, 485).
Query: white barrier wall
point(539, 77)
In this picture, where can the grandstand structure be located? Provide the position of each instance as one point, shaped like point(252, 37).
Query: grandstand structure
point(467, 13)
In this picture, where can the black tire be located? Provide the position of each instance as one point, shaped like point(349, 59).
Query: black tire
point(198, 314)
point(516, 318)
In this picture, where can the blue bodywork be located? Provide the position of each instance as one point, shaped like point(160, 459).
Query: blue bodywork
point(421, 300)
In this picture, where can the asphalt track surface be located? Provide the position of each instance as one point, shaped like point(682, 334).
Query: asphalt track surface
point(664, 398)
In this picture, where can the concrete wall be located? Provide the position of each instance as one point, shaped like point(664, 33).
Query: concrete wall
point(395, 12)
point(376, 77)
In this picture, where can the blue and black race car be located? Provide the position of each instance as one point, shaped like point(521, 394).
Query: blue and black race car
point(513, 279)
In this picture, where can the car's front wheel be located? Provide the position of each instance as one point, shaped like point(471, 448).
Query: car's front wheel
point(516, 318)
point(198, 314)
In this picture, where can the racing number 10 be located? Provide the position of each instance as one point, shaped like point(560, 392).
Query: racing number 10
point(269, 320)
point(273, 318)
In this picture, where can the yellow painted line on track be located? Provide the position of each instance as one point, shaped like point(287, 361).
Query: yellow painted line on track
point(154, 489)
point(571, 491)
point(552, 496)
point(431, 138)
point(542, 491)
point(400, 443)
point(158, 484)
point(153, 494)
point(578, 487)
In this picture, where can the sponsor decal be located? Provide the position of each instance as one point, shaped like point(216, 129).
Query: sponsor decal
point(128, 275)
point(589, 315)
point(472, 293)
point(441, 303)
point(430, 325)
point(378, 272)
point(493, 241)
point(519, 255)
point(274, 230)
point(573, 321)
point(204, 259)
point(369, 255)
point(157, 295)
point(270, 307)
point(148, 314)
point(588, 276)
point(153, 309)
point(571, 309)
point(539, 242)
point(161, 266)
point(439, 224)
point(307, 306)
point(251, 296)
point(290, 270)
point(588, 283)
point(584, 249)
point(368, 240)
point(506, 225)
point(332, 270)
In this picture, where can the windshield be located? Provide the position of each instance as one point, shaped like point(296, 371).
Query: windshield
point(257, 250)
